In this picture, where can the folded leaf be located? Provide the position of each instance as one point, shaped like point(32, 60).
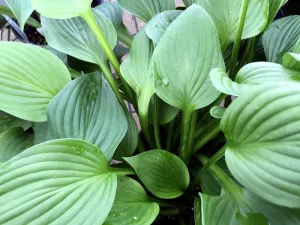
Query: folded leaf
point(226, 14)
point(58, 9)
point(131, 205)
point(146, 9)
point(22, 9)
point(281, 37)
point(164, 174)
point(8, 121)
point(75, 38)
point(12, 142)
point(87, 109)
point(217, 112)
point(263, 142)
point(181, 74)
point(61, 181)
point(292, 61)
point(29, 81)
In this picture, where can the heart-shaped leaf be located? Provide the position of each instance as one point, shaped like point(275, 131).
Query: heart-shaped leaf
point(146, 9)
point(87, 109)
point(22, 9)
point(281, 37)
point(75, 38)
point(8, 121)
point(226, 14)
point(12, 142)
point(263, 142)
point(29, 81)
point(292, 61)
point(131, 205)
point(62, 181)
point(163, 173)
point(65, 9)
point(181, 73)
point(157, 26)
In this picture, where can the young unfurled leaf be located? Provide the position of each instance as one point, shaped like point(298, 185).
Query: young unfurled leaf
point(29, 81)
point(146, 9)
point(87, 109)
point(12, 142)
point(226, 15)
point(8, 121)
point(58, 9)
point(181, 73)
point(131, 205)
point(292, 61)
point(75, 38)
point(164, 174)
point(281, 37)
point(22, 9)
point(262, 152)
point(217, 112)
point(157, 26)
point(62, 181)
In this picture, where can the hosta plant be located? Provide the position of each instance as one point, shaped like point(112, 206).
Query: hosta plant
point(214, 85)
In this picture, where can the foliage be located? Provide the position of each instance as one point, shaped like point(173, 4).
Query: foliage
point(219, 142)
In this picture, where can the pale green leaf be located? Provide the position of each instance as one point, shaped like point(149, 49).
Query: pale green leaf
point(12, 142)
point(8, 121)
point(181, 73)
point(58, 9)
point(292, 61)
point(263, 142)
point(157, 26)
point(75, 38)
point(275, 6)
point(40, 132)
point(188, 3)
point(163, 173)
point(217, 112)
point(131, 205)
point(22, 9)
point(87, 109)
point(297, 47)
point(29, 78)
point(114, 13)
point(146, 9)
point(226, 14)
point(58, 182)
point(281, 37)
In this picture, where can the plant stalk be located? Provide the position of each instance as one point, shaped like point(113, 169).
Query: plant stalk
point(122, 171)
point(155, 123)
point(169, 135)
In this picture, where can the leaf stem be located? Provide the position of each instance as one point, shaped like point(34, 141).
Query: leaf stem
point(125, 39)
point(91, 21)
point(155, 123)
point(169, 135)
point(122, 171)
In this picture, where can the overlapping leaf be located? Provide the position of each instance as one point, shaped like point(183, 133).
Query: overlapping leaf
point(8, 121)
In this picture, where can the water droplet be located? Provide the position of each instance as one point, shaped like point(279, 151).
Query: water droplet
point(155, 26)
point(114, 214)
point(135, 219)
point(165, 81)
point(276, 26)
point(79, 150)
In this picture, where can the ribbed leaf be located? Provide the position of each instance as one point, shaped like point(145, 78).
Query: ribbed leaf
point(226, 14)
point(181, 73)
point(58, 9)
point(157, 26)
point(22, 9)
point(12, 142)
point(40, 132)
point(131, 205)
point(30, 80)
point(57, 182)
point(8, 121)
point(164, 174)
point(75, 38)
point(281, 37)
point(217, 112)
point(263, 142)
point(87, 109)
point(292, 61)
point(146, 9)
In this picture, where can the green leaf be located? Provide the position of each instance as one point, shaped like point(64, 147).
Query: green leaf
point(61, 181)
point(29, 78)
point(87, 109)
point(292, 61)
point(12, 142)
point(132, 205)
point(163, 173)
point(217, 112)
point(181, 74)
point(8, 121)
point(197, 211)
point(281, 37)
point(146, 9)
point(113, 12)
point(129, 143)
point(22, 9)
point(65, 9)
point(297, 47)
point(275, 6)
point(40, 132)
point(262, 132)
point(188, 3)
point(226, 14)
point(75, 38)
point(157, 26)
